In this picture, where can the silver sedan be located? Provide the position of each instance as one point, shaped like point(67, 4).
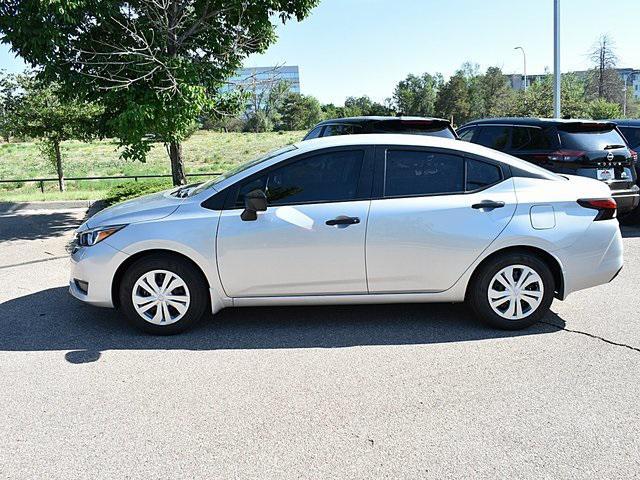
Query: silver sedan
point(354, 219)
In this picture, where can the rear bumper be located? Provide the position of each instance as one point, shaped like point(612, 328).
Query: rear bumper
point(627, 200)
point(595, 260)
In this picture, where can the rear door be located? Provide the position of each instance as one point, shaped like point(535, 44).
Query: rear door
point(433, 214)
point(533, 143)
point(310, 241)
point(597, 151)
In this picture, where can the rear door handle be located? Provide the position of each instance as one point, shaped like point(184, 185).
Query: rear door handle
point(343, 221)
point(488, 205)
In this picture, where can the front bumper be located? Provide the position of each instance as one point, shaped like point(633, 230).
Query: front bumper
point(627, 200)
point(97, 266)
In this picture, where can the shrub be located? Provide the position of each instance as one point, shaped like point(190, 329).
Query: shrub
point(126, 191)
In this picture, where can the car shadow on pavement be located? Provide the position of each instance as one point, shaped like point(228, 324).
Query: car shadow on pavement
point(40, 225)
point(51, 320)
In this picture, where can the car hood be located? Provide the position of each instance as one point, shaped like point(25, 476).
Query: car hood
point(142, 209)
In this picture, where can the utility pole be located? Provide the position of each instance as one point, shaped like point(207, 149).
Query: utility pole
point(524, 59)
point(556, 59)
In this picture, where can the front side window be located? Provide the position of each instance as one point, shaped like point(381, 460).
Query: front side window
point(240, 168)
point(410, 173)
point(315, 133)
point(496, 137)
point(467, 134)
point(327, 177)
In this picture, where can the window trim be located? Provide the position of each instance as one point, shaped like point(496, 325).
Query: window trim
point(363, 190)
point(380, 174)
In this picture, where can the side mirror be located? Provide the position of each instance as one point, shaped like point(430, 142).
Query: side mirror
point(254, 201)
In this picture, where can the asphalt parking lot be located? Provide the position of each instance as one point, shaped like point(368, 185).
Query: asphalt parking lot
point(393, 391)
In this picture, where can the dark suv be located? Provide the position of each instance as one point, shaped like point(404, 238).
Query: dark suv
point(631, 131)
point(588, 148)
point(437, 127)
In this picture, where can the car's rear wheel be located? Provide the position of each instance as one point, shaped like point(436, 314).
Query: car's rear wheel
point(163, 295)
point(511, 291)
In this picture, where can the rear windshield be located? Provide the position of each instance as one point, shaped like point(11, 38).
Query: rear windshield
point(434, 129)
point(632, 134)
point(591, 139)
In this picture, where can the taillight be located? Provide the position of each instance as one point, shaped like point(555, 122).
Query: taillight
point(606, 207)
point(566, 155)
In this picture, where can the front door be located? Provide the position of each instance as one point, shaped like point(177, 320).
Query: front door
point(436, 213)
point(310, 241)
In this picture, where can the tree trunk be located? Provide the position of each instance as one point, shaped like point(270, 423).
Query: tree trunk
point(177, 164)
point(56, 148)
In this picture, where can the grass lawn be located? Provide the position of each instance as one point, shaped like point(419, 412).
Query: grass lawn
point(203, 152)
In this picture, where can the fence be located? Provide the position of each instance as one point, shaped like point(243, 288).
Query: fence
point(41, 181)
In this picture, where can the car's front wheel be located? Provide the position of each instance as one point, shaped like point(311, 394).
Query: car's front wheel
point(163, 295)
point(511, 291)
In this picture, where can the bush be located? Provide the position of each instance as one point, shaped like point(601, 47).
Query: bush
point(126, 191)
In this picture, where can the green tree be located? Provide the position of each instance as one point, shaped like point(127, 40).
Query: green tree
point(354, 107)
point(416, 95)
point(538, 100)
point(497, 95)
point(265, 99)
point(299, 112)
point(41, 112)
point(600, 109)
point(9, 94)
point(453, 101)
point(156, 65)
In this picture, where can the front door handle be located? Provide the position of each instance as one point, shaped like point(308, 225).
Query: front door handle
point(487, 205)
point(342, 220)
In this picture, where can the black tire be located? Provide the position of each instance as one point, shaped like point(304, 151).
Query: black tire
point(192, 277)
point(477, 292)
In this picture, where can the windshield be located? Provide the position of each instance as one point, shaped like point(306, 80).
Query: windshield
point(591, 139)
point(240, 168)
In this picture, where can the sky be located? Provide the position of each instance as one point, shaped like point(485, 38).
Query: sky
point(365, 47)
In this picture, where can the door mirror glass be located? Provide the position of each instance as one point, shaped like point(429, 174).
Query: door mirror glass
point(254, 201)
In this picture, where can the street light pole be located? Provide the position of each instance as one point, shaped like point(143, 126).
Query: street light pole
point(524, 59)
point(556, 58)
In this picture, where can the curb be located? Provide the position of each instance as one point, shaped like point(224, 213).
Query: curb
point(9, 207)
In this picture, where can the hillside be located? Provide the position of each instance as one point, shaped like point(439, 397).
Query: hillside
point(204, 152)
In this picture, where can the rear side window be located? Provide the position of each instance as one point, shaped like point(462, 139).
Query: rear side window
point(496, 137)
point(410, 173)
point(328, 177)
point(530, 138)
point(591, 140)
point(481, 174)
point(315, 133)
point(333, 130)
point(632, 134)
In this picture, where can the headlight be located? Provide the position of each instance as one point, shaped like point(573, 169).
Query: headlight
point(96, 235)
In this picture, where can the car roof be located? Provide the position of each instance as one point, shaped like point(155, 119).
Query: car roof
point(373, 118)
point(418, 141)
point(628, 122)
point(538, 122)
